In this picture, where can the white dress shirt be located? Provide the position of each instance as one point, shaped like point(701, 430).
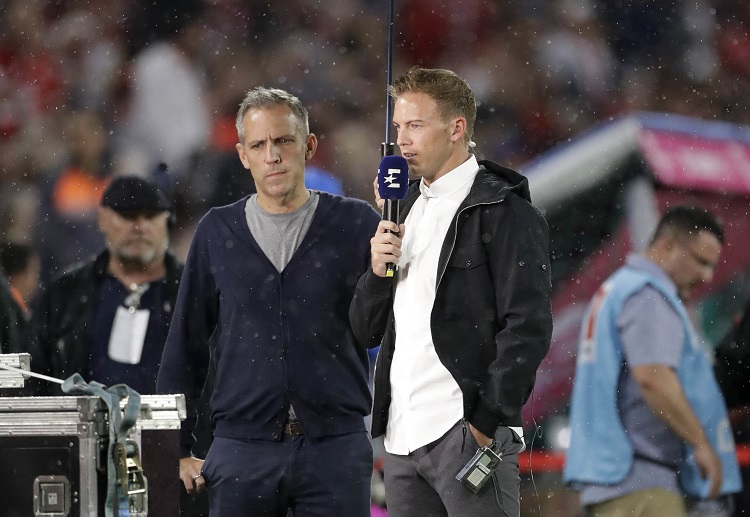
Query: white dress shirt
point(425, 399)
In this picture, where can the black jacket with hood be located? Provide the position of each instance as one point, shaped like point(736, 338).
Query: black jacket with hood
point(492, 318)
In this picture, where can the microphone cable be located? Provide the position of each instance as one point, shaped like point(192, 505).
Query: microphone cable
point(538, 431)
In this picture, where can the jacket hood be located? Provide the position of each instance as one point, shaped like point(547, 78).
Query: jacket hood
point(501, 180)
point(492, 184)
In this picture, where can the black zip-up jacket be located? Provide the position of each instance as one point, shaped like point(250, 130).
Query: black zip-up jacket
point(58, 334)
point(492, 318)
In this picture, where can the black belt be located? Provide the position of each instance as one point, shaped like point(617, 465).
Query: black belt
point(293, 428)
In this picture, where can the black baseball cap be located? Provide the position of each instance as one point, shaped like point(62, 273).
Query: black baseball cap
point(135, 194)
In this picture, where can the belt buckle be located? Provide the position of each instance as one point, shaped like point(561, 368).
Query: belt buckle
point(293, 428)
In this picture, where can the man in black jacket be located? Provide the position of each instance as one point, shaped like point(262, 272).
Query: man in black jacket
point(466, 320)
point(107, 319)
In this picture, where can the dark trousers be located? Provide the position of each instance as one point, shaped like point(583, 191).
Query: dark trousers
point(424, 482)
point(325, 477)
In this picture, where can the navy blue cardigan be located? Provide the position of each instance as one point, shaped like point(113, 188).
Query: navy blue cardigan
point(280, 338)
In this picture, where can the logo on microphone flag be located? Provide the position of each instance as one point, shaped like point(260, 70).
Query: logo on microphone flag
point(392, 179)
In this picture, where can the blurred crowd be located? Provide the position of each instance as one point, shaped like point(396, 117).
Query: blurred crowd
point(94, 88)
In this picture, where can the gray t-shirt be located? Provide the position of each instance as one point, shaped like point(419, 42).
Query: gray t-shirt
point(279, 235)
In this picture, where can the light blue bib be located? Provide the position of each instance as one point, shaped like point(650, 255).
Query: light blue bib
point(600, 451)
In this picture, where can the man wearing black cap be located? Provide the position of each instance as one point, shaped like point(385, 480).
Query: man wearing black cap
point(107, 319)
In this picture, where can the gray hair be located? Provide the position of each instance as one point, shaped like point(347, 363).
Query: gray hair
point(261, 97)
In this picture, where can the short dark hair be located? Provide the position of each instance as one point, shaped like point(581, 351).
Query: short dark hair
point(688, 221)
point(452, 94)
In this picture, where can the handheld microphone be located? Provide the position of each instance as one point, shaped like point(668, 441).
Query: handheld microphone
point(393, 182)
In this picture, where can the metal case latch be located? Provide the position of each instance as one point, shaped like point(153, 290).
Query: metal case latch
point(130, 475)
point(51, 496)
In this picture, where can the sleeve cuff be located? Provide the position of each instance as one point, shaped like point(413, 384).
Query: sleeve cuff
point(484, 420)
point(376, 285)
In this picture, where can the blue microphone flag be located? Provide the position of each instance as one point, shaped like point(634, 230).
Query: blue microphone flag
point(393, 177)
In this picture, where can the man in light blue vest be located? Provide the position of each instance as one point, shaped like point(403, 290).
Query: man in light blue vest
point(649, 429)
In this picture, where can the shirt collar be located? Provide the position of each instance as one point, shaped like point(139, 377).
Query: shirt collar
point(452, 181)
point(641, 262)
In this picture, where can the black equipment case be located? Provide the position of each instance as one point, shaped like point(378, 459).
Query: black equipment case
point(53, 453)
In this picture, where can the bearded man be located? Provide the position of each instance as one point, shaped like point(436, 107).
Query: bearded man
point(108, 318)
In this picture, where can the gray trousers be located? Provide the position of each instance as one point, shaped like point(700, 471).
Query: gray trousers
point(424, 484)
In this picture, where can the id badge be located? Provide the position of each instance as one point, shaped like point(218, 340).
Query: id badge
point(128, 335)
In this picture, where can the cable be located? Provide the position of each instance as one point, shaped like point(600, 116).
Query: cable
point(537, 432)
point(496, 485)
point(27, 373)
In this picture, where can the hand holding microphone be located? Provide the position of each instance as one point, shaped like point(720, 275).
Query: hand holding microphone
point(393, 183)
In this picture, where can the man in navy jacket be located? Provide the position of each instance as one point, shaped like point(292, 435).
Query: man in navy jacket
point(466, 320)
point(269, 280)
